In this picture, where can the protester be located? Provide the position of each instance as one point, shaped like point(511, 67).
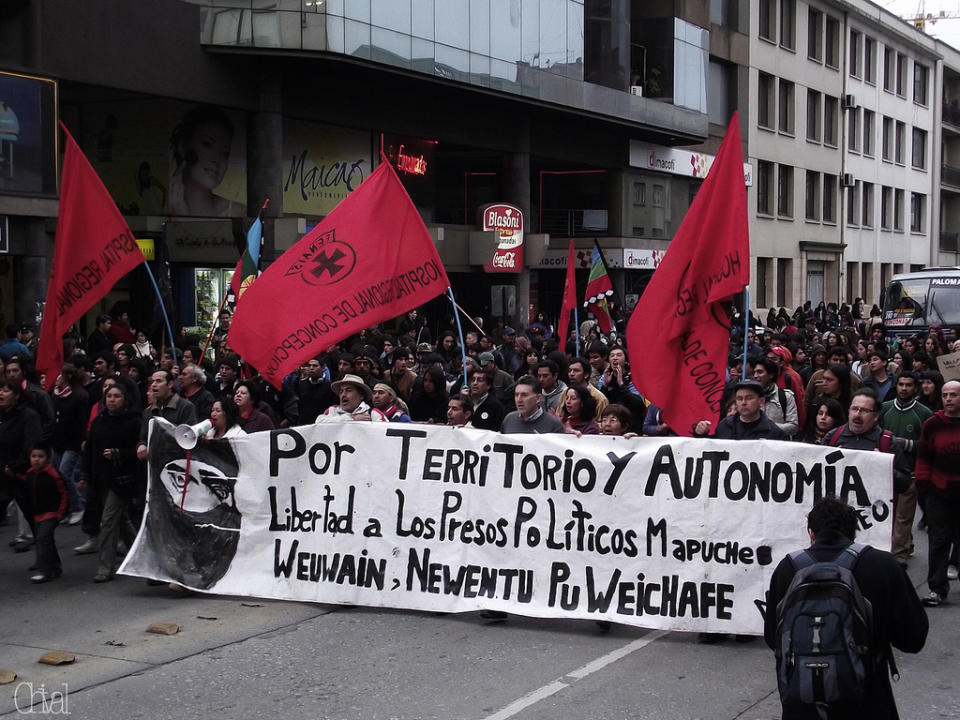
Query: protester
point(355, 402)
point(827, 414)
point(225, 416)
point(428, 398)
point(459, 410)
point(616, 419)
point(578, 412)
point(20, 431)
point(384, 398)
point(488, 412)
point(247, 397)
point(749, 422)
point(47, 495)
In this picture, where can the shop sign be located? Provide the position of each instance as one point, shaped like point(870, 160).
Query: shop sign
point(148, 248)
point(676, 161)
point(556, 259)
point(507, 221)
point(642, 259)
point(206, 241)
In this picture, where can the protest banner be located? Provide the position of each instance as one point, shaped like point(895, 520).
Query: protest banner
point(667, 533)
point(949, 366)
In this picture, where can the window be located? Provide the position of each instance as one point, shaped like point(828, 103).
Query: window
point(763, 269)
point(853, 203)
point(889, 68)
point(886, 208)
point(887, 140)
point(785, 109)
point(920, 75)
point(901, 75)
point(815, 35)
point(784, 267)
point(639, 193)
point(918, 204)
point(767, 30)
point(831, 115)
point(788, 21)
point(764, 187)
point(853, 129)
point(657, 199)
point(831, 43)
point(814, 114)
point(870, 60)
point(829, 198)
point(919, 150)
point(898, 210)
point(869, 131)
point(812, 195)
point(898, 143)
point(765, 101)
point(785, 191)
point(856, 66)
point(867, 214)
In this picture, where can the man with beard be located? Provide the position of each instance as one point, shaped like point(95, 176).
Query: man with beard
point(192, 526)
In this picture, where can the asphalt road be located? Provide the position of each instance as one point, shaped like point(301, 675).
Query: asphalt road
point(250, 658)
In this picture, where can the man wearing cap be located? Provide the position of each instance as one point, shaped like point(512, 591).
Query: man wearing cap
point(386, 401)
point(502, 380)
point(363, 367)
point(26, 336)
point(12, 346)
point(748, 422)
point(512, 360)
point(399, 374)
point(356, 399)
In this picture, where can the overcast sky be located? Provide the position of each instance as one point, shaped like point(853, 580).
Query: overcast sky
point(947, 30)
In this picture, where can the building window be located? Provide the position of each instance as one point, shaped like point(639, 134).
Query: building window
point(785, 109)
point(901, 75)
point(866, 217)
point(788, 22)
point(831, 43)
point(856, 66)
point(785, 191)
point(763, 269)
point(767, 30)
point(919, 150)
point(639, 193)
point(765, 101)
point(784, 266)
point(869, 131)
point(918, 203)
point(829, 198)
point(814, 114)
point(812, 195)
point(886, 208)
point(920, 75)
point(815, 35)
point(889, 68)
point(870, 60)
point(657, 199)
point(764, 187)
point(887, 139)
point(831, 115)
point(898, 210)
point(853, 130)
point(899, 140)
point(853, 203)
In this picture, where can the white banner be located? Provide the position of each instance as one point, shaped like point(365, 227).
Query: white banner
point(661, 533)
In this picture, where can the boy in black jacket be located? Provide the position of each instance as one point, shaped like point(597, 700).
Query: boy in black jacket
point(46, 495)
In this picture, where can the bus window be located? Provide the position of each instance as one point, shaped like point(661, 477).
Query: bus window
point(905, 302)
point(943, 304)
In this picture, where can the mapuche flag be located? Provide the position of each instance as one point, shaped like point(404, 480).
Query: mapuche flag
point(93, 249)
point(249, 264)
point(599, 288)
point(679, 333)
point(369, 260)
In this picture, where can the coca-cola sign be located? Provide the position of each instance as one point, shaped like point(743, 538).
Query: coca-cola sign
point(507, 221)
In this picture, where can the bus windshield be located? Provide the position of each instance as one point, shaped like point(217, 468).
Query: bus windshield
point(921, 302)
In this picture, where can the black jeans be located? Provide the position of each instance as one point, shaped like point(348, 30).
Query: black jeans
point(48, 559)
point(943, 524)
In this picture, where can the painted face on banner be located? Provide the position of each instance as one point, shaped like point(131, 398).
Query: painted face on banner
point(195, 546)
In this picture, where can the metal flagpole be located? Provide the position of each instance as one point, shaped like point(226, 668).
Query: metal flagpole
point(166, 318)
point(463, 348)
point(746, 328)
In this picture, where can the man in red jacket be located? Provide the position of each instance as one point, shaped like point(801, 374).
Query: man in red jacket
point(938, 480)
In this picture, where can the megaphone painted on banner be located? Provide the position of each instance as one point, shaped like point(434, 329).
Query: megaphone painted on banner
point(188, 436)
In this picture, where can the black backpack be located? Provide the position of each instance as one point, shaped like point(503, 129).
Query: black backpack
point(824, 630)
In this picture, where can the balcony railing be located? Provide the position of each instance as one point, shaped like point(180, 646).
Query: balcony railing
point(950, 175)
point(949, 242)
point(951, 114)
point(575, 223)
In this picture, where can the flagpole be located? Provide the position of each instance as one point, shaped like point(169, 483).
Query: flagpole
point(216, 324)
point(576, 329)
point(166, 319)
point(479, 329)
point(463, 347)
point(746, 328)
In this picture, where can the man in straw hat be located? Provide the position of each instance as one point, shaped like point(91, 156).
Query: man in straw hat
point(356, 400)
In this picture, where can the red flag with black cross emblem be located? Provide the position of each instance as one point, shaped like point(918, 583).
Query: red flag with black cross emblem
point(369, 260)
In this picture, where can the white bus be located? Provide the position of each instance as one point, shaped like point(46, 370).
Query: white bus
point(914, 301)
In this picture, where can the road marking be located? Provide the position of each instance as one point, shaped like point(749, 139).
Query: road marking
point(552, 688)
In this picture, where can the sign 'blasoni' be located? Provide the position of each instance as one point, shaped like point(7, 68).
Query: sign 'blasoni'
point(661, 533)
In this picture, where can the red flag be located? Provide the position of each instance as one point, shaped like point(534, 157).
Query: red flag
point(93, 249)
point(679, 332)
point(370, 259)
point(569, 300)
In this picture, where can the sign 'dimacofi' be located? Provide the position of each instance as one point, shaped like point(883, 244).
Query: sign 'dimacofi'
point(507, 221)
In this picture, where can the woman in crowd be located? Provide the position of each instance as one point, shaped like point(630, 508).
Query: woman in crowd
point(124, 355)
point(71, 406)
point(225, 417)
point(578, 412)
point(818, 361)
point(827, 414)
point(247, 397)
point(20, 430)
point(835, 384)
point(903, 360)
point(931, 383)
point(616, 419)
point(428, 399)
point(933, 347)
point(529, 367)
point(111, 455)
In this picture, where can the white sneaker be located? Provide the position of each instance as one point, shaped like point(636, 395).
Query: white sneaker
point(951, 572)
point(74, 518)
point(92, 545)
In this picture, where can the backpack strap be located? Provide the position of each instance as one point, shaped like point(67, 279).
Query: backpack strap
point(849, 555)
point(801, 559)
point(833, 439)
point(782, 395)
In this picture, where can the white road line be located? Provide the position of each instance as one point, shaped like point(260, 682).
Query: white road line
point(591, 667)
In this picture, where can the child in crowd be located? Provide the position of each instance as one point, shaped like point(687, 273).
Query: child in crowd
point(46, 497)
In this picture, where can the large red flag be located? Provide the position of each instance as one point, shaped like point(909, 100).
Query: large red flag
point(569, 300)
point(93, 249)
point(679, 332)
point(370, 259)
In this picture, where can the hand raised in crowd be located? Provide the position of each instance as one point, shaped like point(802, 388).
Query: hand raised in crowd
point(142, 452)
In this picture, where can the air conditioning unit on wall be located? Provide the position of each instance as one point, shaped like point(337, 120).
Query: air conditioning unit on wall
point(849, 102)
point(636, 90)
point(846, 180)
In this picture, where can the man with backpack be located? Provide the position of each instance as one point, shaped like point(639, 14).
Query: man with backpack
point(833, 612)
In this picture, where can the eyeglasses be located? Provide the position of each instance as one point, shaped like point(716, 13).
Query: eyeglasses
point(861, 411)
